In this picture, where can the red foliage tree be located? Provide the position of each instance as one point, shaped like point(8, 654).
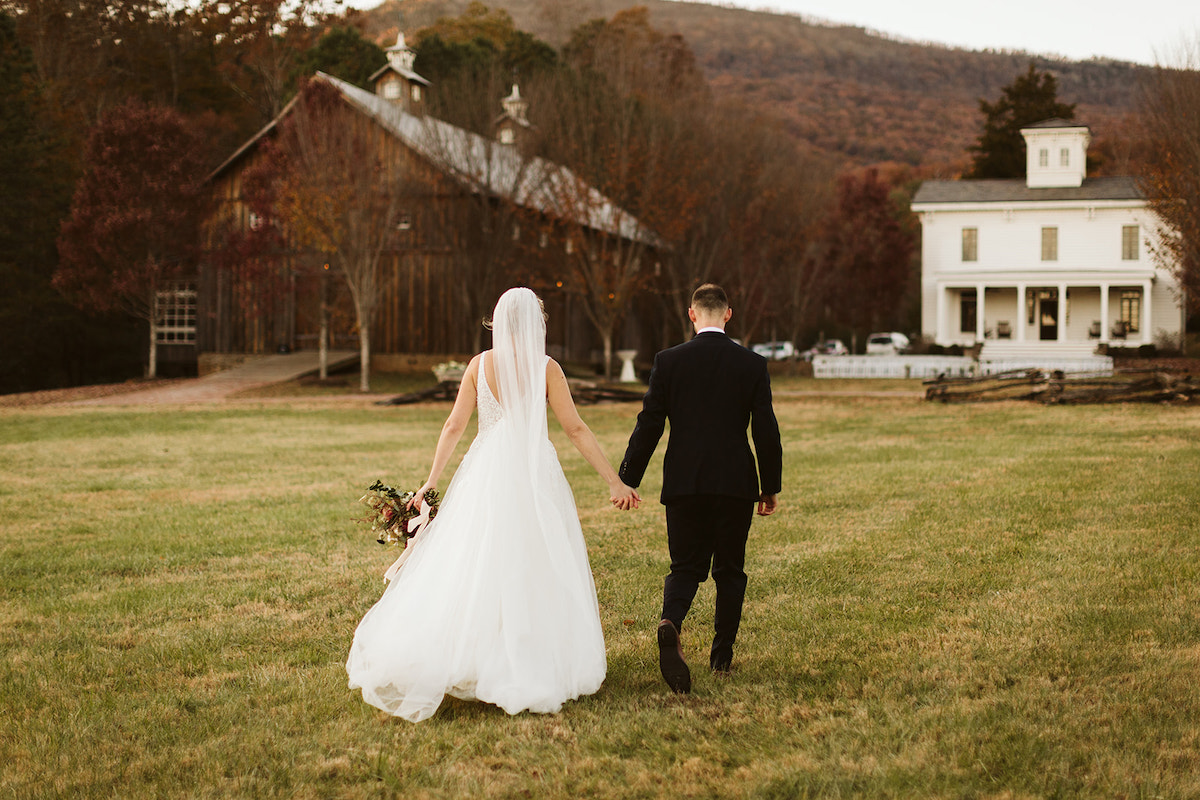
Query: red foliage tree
point(136, 214)
point(866, 252)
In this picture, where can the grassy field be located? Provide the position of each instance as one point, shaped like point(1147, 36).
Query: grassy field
point(993, 602)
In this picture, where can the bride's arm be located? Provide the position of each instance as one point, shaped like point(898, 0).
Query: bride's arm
point(622, 496)
point(452, 430)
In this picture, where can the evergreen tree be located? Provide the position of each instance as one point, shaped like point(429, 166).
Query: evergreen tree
point(46, 343)
point(1031, 97)
point(343, 53)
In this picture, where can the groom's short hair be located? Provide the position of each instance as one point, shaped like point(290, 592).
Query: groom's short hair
point(710, 298)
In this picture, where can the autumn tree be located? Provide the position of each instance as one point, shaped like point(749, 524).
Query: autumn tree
point(260, 44)
point(1171, 120)
point(611, 130)
point(344, 189)
point(135, 217)
point(866, 252)
point(481, 213)
point(1031, 97)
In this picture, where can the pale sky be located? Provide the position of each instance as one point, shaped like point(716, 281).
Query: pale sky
point(1145, 31)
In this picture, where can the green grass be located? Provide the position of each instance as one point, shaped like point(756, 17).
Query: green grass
point(954, 601)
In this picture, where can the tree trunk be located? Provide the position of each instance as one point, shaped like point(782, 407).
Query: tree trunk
point(152, 367)
point(608, 353)
point(323, 336)
point(364, 358)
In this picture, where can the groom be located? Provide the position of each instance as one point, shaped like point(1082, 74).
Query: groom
point(711, 389)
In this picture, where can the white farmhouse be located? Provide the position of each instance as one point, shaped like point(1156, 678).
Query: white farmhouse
point(1046, 268)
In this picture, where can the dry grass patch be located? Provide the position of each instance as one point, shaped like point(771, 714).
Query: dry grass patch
point(953, 602)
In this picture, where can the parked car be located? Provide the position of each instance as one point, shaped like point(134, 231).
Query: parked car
point(775, 351)
point(887, 344)
point(829, 347)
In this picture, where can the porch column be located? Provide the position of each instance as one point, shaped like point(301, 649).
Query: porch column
point(1147, 330)
point(1021, 318)
point(980, 312)
point(1104, 313)
point(1062, 312)
point(939, 332)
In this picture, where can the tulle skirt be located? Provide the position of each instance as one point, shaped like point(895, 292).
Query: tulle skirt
point(496, 602)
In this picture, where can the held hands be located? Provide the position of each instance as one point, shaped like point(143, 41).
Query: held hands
point(421, 493)
point(767, 504)
point(623, 497)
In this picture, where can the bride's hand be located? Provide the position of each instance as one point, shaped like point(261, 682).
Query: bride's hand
point(624, 497)
point(414, 503)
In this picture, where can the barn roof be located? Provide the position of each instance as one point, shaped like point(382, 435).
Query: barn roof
point(484, 165)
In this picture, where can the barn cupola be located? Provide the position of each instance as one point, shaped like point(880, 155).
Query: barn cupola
point(513, 126)
point(398, 82)
point(1055, 153)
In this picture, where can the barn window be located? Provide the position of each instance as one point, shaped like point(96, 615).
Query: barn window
point(175, 313)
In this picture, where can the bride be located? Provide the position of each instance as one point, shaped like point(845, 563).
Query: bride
point(496, 602)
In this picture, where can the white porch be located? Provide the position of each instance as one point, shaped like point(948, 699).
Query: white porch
point(1066, 318)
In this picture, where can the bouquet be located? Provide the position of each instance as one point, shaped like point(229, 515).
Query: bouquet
point(391, 520)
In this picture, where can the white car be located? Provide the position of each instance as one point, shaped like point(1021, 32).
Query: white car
point(775, 351)
point(829, 347)
point(887, 344)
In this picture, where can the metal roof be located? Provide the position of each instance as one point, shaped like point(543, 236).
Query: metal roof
point(485, 165)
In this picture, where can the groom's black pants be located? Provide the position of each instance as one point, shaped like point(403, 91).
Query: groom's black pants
point(706, 530)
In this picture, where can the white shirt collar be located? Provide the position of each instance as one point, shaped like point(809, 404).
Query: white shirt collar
point(710, 329)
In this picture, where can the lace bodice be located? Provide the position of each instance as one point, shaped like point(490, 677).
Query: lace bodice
point(488, 406)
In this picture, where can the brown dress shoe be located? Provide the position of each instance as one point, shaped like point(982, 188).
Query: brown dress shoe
point(670, 659)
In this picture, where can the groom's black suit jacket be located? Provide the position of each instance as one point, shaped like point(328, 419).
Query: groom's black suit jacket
point(711, 389)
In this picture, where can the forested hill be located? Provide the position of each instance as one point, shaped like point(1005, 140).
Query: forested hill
point(844, 89)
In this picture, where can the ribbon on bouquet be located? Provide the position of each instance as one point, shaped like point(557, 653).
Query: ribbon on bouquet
point(415, 526)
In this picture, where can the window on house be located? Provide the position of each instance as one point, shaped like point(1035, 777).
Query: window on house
point(1131, 309)
point(969, 306)
point(970, 244)
point(1064, 157)
point(416, 93)
point(507, 136)
point(1043, 157)
point(175, 313)
point(1129, 242)
point(391, 90)
point(1049, 244)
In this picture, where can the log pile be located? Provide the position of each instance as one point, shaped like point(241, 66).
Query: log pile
point(585, 393)
point(1138, 386)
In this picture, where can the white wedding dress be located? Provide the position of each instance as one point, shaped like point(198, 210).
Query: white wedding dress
point(496, 602)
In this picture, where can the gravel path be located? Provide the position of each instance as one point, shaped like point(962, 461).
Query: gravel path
point(214, 388)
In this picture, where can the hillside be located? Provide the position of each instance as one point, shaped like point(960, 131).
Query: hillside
point(842, 89)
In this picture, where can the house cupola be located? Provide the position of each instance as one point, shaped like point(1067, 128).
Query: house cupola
point(396, 81)
point(513, 124)
point(1055, 153)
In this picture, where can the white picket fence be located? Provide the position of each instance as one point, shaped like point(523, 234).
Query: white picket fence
point(950, 366)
